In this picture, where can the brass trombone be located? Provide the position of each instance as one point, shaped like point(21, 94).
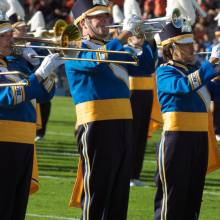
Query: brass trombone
point(55, 32)
point(22, 83)
point(25, 82)
point(71, 37)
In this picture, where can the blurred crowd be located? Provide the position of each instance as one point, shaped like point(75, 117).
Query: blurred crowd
point(60, 9)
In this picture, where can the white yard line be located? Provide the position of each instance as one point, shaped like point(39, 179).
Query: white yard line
point(59, 154)
point(213, 193)
point(50, 217)
point(57, 178)
point(150, 161)
point(60, 133)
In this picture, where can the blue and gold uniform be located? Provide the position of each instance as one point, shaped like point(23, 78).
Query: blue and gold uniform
point(87, 81)
point(184, 94)
point(101, 96)
point(141, 81)
point(18, 123)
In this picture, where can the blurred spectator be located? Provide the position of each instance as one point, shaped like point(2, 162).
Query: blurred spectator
point(159, 8)
point(203, 29)
point(148, 9)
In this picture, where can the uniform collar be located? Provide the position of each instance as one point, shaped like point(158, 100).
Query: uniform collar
point(100, 42)
point(178, 64)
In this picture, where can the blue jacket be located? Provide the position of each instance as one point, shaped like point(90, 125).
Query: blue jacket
point(100, 91)
point(18, 103)
point(141, 76)
point(185, 94)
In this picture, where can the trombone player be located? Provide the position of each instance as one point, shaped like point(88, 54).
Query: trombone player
point(18, 121)
point(101, 94)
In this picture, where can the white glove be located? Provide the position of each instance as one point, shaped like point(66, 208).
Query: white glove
point(49, 64)
point(131, 24)
point(28, 54)
point(216, 52)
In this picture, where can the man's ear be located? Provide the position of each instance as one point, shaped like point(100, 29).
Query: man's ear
point(83, 24)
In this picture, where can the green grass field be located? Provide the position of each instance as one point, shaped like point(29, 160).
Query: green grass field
point(58, 158)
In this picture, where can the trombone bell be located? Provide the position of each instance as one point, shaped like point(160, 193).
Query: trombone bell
point(69, 44)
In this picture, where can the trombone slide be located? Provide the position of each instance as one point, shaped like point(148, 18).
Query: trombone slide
point(26, 83)
point(70, 49)
point(135, 63)
point(21, 83)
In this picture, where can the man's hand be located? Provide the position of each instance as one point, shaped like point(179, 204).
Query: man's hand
point(131, 24)
point(215, 56)
point(28, 54)
point(49, 64)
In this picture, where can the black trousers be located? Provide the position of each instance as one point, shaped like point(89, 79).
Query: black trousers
point(105, 151)
point(16, 161)
point(182, 165)
point(45, 114)
point(141, 103)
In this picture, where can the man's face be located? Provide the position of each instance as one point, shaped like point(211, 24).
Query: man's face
point(6, 43)
point(98, 25)
point(184, 53)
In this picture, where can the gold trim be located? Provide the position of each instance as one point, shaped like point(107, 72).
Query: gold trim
point(86, 13)
point(105, 53)
point(18, 132)
point(14, 94)
point(185, 121)
point(174, 39)
point(199, 78)
point(173, 63)
point(97, 56)
point(6, 25)
point(141, 83)
point(108, 109)
point(191, 82)
point(3, 63)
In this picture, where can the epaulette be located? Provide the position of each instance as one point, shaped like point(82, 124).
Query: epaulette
point(164, 64)
point(3, 63)
point(176, 64)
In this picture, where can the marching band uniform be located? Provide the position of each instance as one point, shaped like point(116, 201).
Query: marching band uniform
point(18, 123)
point(141, 87)
point(184, 94)
point(37, 23)
point(101, 95)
